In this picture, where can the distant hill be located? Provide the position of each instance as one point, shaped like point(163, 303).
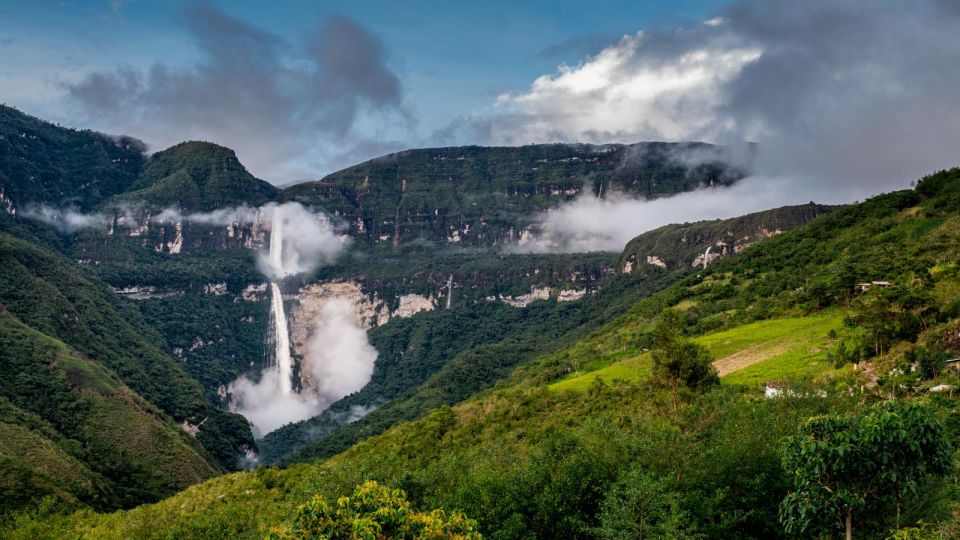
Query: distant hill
point(44, 163)
point(197, 176)
point(686, 244)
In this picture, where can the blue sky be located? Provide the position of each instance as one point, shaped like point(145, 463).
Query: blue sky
point(842, 95)
point(452, 58)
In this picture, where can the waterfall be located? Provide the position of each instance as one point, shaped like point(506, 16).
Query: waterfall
point(281, 355)
point(276, 242)
point(706, 257)
point(449, 291)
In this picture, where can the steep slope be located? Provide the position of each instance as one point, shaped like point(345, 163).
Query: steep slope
point(483, 196)
point(51, 296)
point(71, 428)
point(197, 176)
point(43, 163)
point(569, 447)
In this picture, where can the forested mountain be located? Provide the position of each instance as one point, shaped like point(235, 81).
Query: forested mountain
point(196, 176)
point(573, 440)
point(43, 163)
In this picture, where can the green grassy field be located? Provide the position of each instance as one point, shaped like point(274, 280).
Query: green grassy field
point(775, 349)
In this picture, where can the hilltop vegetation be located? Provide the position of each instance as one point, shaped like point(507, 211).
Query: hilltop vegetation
point(197, 176)
point(531, 458)
point(43, 163)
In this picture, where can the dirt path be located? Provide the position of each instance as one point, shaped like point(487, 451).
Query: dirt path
point(749, 356)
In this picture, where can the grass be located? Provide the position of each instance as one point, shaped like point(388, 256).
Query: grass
point(632, 369)
point(750, 354)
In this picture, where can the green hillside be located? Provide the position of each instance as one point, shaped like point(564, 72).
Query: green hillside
point(50, 295)
point(576, 442)
point(44, 163)
point(74, 430)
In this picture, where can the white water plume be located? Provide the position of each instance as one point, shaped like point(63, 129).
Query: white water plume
point(306, 241)
point(339, 358)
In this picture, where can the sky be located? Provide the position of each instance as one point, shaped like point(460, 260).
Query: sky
point(846, 98)
point(451, 60)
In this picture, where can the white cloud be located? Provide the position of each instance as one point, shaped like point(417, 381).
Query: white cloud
point(66, 220)
point(622, 95)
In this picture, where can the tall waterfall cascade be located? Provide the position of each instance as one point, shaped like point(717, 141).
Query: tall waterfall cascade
point(281, 355)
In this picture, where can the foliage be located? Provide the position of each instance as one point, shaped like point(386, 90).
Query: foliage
point(639, 506)
point(373, 512)
point(44, 163)
point(72, 429)
point(678, 361)
point(50, 295)
point(846, 467)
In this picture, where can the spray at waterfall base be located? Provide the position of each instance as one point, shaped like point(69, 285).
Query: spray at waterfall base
point(338, 358)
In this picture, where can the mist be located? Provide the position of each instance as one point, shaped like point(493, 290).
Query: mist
point(339, 358)
point(338, 361)
point(66, 220)
point(310, 240)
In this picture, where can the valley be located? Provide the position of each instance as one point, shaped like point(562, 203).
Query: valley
point(191, 323)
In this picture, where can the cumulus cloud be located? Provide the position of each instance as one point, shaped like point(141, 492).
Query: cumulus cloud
point(65, 220)
point(287, 107)
point(338, 359)
point(308, 240)
point(845, 98)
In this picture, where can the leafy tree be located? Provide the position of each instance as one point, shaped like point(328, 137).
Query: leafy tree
point(929, 360)
point(641, 506)
point(877, 315)
point(375, 512)
point(863, 466)
point(678, 361)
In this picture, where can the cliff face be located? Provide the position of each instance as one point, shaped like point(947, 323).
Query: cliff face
point(477, 196)
point(694, 245)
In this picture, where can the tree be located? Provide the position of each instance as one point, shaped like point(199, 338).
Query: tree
point(678, 361)
point(640, 506)
point(864, 466)
point(375, 512)
point(877, 314)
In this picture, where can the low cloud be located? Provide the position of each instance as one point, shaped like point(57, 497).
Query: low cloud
point(591, 223)
point(66, 220)
point(235, 215)
point(288, 107)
